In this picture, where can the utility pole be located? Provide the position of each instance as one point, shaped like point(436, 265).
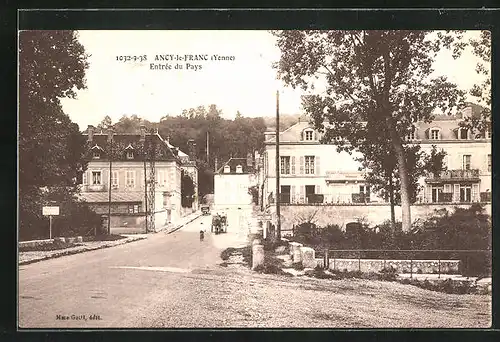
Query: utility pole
point(110, 156)
point(278, 215)
point(208, 150)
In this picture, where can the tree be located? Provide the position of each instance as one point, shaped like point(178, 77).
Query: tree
point(377, 85)
point(187, 190)
point(383, 176)
point(52, 65)
point(106, 123)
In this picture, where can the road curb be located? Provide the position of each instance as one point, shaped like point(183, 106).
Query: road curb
point(182, 225)
point(64, 253)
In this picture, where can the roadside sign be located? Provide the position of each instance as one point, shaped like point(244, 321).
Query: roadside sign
point(50, 211)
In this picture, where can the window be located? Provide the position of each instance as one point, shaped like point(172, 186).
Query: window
point(308, 135)
point(488, 133)
point(130, 154)
point(96, 155)
point(435, 134)
point(96, 178)
point(285, 165)
point(465, 193)
point(114, 178)
point(134, 208)
point(489, 162)
point(411, 135)
point(130, 179)
point(309, 165)
point(162, 178)
point(466, 162)
point(463, 133)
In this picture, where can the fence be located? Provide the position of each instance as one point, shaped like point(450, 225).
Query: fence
point(472, 262)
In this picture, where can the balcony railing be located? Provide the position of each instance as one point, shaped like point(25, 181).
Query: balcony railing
point(94, 188)
point(322, 199)
point(472, 174)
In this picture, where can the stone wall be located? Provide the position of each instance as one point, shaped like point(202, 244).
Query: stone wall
point(401, 266)
point(373, 214)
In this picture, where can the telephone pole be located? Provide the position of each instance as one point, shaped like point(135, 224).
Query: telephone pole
point(278, 195)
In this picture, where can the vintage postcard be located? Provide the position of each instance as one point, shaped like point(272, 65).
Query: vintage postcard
point(254, 179)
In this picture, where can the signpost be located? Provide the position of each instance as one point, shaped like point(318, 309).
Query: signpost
point(50, 211)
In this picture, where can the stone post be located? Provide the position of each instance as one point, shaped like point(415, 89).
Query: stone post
point(257, 255)
point(308, 257)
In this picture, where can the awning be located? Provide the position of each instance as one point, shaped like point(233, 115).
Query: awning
point(121, 197)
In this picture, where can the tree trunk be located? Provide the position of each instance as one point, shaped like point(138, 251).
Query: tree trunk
point(405, 188)
point(391, 199)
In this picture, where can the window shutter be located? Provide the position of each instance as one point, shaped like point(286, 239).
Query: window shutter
point(456, 193)
point(456, 132)
point(292, 195)
point(318, 189)
point(302, 193)
point(302, 136)
point(317, 165)
point(427, 133)
point(475, 192)
point(301, 165)
point(315, 135)
point(84, 178)
point(292, 166)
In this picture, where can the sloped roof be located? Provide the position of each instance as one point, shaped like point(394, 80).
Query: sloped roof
point(103, 197)
point(127, 140)
point(293, 133)
point(233, 163)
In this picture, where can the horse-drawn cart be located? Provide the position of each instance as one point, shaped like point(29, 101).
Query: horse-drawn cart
point(219, 224)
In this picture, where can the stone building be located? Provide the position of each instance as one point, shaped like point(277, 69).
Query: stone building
point(129, 174)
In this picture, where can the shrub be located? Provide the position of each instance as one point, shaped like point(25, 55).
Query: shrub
point(271, 265)
point(298, 266)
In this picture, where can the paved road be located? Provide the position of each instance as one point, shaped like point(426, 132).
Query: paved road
point(175, 281)
point(118, 285)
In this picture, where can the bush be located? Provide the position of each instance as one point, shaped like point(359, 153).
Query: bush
point(246, 252)
point(447, 286)
point(298, 266)
point(271, 265)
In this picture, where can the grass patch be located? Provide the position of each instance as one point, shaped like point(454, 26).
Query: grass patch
point(272, 265)
point(449, 286)
point(246, 252)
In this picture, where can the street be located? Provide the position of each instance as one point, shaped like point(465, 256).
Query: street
point(176, 281)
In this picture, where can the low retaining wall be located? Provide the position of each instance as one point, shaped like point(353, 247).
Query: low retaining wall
point(401, 266)
point(35, 243)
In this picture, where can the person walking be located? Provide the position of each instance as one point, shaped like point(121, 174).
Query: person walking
point(202, 232)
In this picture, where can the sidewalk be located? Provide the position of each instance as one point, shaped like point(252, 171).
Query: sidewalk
point(182, 222)
point(30, 257)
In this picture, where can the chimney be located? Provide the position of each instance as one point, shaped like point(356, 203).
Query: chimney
point(216, 165)
point(110, 134)
point(192, 149)
point(143, 132)
point(90, 132)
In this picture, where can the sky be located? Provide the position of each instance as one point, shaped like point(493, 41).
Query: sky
point(246, 83)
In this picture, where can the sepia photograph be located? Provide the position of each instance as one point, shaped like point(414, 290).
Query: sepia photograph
point(335, 179)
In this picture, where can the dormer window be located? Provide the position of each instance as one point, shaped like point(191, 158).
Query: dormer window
point(435, 134)
point(129, 152)
point(411, 134)
point(308, 135)
point(463, 133)
point(96, 152)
